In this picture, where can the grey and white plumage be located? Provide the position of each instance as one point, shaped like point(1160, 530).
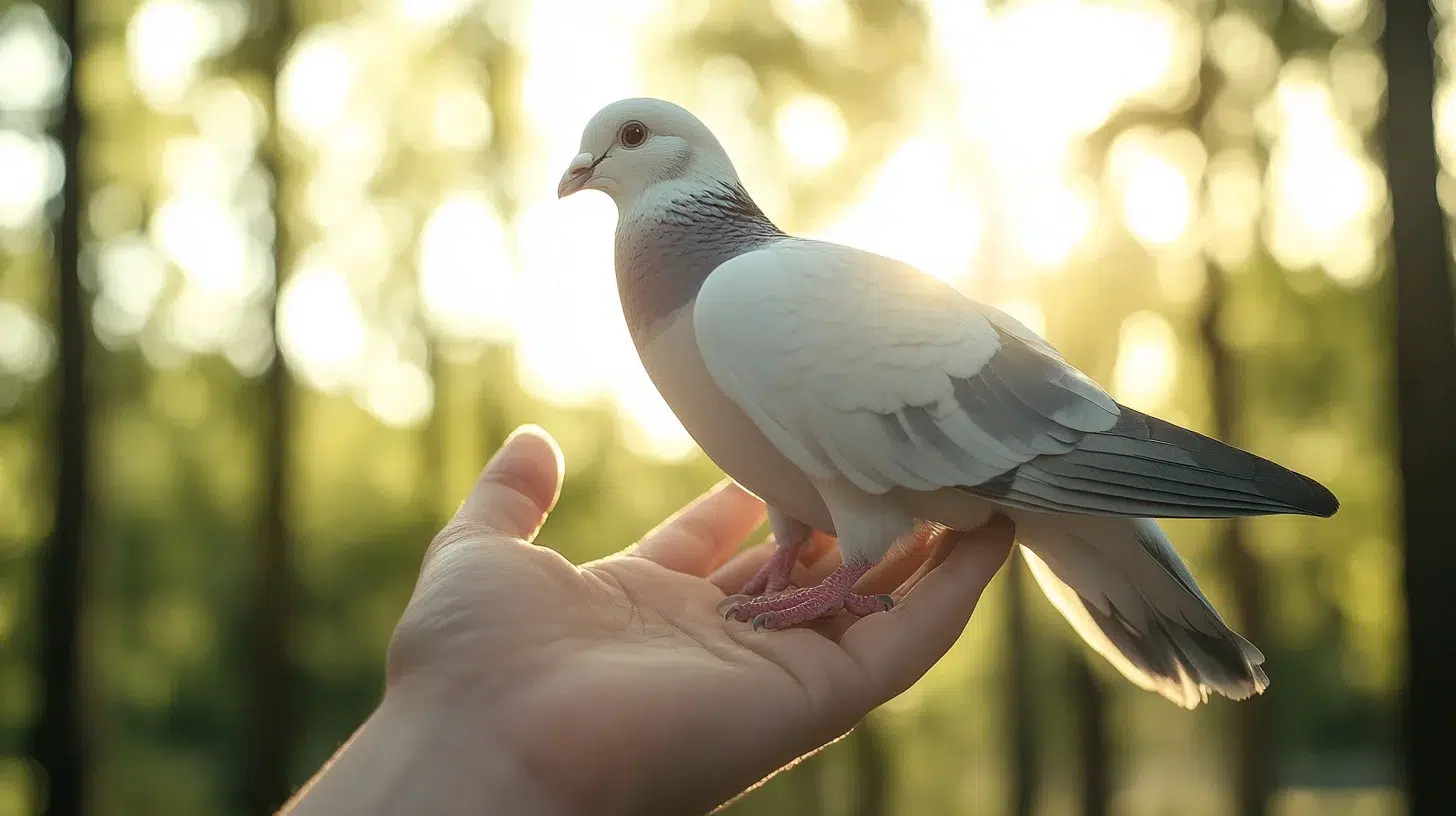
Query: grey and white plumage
point(862, 397)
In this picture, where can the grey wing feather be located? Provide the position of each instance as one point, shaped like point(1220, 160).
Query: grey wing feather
point(1145, 467)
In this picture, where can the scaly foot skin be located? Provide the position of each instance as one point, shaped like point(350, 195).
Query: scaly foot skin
point(825, 600)
point(790, 535)
point(773, 576)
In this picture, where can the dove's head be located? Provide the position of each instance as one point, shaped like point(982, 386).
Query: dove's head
point(633, 145)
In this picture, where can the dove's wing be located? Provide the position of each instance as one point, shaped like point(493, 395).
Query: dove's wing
point(858, 366)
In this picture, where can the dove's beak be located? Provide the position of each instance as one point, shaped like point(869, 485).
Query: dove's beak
point(577, 174)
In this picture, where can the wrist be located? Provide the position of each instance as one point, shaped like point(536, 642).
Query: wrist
point(424, 751)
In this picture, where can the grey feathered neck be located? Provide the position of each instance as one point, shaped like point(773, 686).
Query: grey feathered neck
point(663, 254)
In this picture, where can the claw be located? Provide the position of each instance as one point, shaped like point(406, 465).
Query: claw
point(862, 605)
point(728, 604)
point(801, 606)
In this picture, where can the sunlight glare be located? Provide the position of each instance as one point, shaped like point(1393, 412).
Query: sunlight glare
point(824, 23)
point(1244, 51)
point(315, 84)
point(1121, 52)
point(26, 344)
point(461, 119)
point(33, 172)
point(652, 429)
point(1341, 16)
point(1027, 311)
point(1324, 192)
point(230, 119)
point(558, 96)
point(195, 166)
point(321, 327)
point(1009, 66)
point(340, 184)
point(572, 342)
point(203, 236)
point(1053, 221)
point(398, 392)
point(1157, 197)
point(32, 60)
point(465, 276)
point(431, 13)
point(199, 321)
point(914, 210)
point(1146, 362)
point(812, 132)
point(131, 279)
point(167, 40)
point(1234, 200)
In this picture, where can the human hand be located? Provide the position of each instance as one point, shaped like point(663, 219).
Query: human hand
point(616, 687)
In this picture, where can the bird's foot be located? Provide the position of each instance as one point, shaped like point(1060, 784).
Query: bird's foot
point(773, 576)
point(836, 592)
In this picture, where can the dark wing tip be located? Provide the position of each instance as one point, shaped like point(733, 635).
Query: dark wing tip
point(1321, 502)
point(1298, 493)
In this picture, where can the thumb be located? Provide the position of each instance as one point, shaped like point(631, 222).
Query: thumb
point(518, 487)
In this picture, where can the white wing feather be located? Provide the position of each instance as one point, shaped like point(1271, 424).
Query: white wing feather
point(858, 366)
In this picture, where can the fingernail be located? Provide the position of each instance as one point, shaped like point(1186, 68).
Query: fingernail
point(530, 428)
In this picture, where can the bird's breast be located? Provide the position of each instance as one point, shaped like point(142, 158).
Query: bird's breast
point(669, 352)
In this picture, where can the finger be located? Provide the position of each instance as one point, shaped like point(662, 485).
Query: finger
point(901, 562)
point(820, 552)
point(518, 487)
point(813, 571)
point(734, 574)
point(940, 546)
point(895, 648)
point(701, 536)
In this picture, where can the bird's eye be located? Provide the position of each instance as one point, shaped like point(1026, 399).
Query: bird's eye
point(633, 134)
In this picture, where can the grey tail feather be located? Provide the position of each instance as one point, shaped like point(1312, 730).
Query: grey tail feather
point(1146, 467)
point(1176, 645)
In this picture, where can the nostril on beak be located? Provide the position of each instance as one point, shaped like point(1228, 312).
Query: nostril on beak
point(577, 175)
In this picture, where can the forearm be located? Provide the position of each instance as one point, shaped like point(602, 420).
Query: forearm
point(414, 755)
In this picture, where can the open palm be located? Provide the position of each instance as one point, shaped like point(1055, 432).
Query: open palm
point(618, 686)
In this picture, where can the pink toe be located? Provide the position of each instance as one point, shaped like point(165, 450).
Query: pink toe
point(862, 605)
point(773, 576)
point(804, 605)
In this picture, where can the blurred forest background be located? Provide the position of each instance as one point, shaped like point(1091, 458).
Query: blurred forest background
point(206, 535)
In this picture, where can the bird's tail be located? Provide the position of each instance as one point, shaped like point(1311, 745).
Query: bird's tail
point(1128, 594)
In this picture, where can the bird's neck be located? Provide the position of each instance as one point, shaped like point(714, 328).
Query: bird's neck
point(671, 239)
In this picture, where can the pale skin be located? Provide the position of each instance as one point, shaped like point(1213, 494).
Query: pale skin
point(518, 682)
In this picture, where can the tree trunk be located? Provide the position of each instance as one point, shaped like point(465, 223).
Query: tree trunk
point(1254, 772)
point(1425, 393)
point(871, 769)
point(806, 795)
point(1091, 703)
point(1254, 779)
point(59, 739)
point(1023, 738)
point(274, 715)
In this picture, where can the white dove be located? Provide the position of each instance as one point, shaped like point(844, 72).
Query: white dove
point(862, 397)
